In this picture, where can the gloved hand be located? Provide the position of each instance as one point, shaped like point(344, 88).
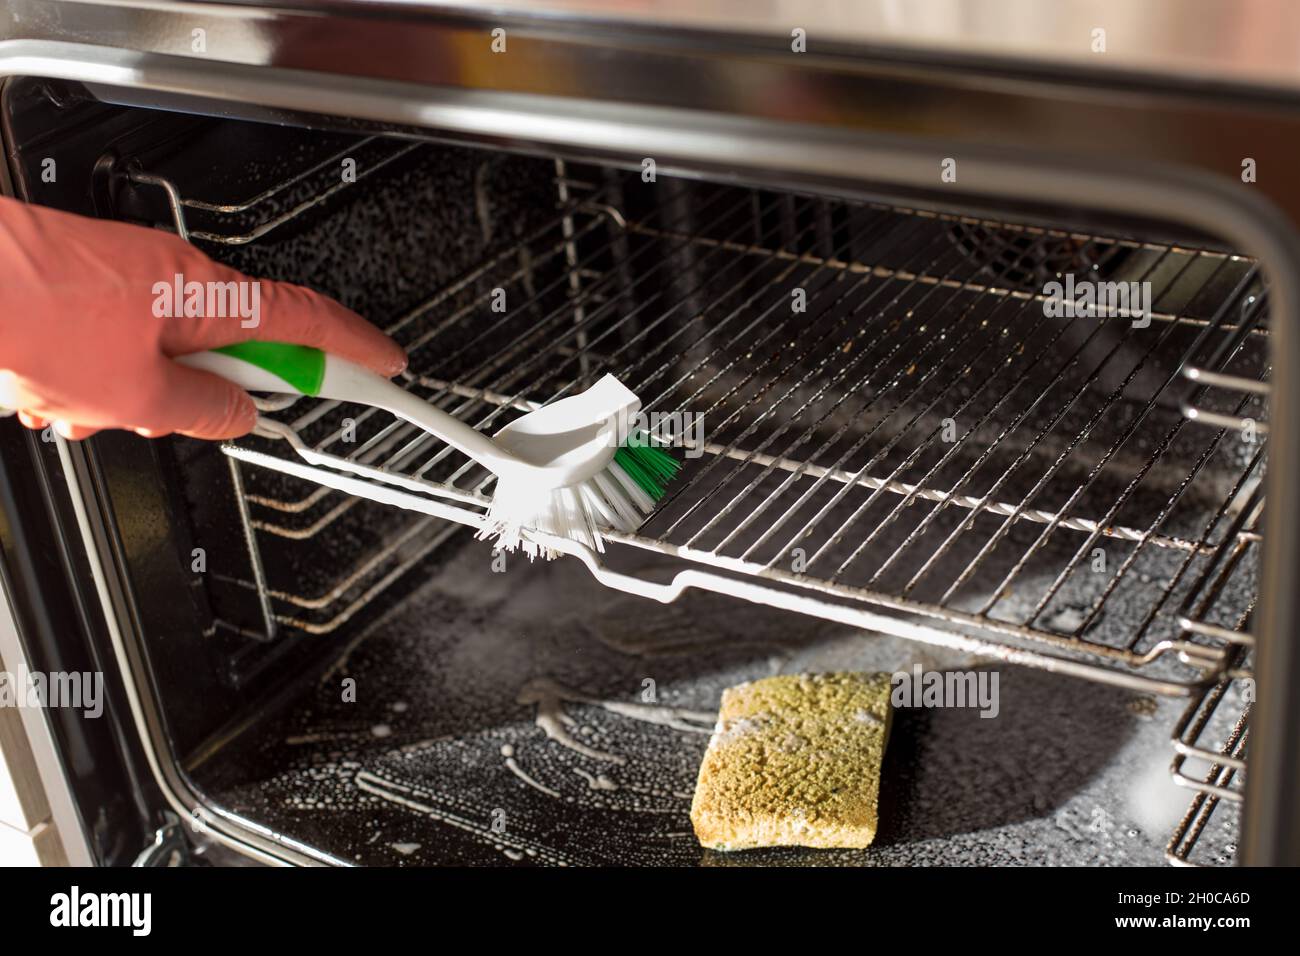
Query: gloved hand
point(89, 321)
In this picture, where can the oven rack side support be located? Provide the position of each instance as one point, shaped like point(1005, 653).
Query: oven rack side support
point(1222, 783)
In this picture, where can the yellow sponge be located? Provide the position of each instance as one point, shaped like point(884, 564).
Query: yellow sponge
point(794, 761)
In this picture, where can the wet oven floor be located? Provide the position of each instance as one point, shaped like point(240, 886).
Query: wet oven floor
point(532, 717)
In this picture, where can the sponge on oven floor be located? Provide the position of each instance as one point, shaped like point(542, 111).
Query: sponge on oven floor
point(794, 761)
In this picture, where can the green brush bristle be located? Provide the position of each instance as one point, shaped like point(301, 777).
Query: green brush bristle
point(651, 468)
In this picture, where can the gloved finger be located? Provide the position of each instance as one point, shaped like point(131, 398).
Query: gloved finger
point(290, 313)
point(34, 422)
point(73, 432)
point(201, 405)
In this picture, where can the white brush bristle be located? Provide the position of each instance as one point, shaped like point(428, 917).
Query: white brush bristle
point(610, 500)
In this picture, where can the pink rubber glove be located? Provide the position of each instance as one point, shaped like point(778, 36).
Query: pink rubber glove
point(83, 346)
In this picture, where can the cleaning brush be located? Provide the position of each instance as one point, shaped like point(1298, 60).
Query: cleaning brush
point(572, 469)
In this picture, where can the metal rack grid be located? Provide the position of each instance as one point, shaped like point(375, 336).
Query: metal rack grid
point(918, 430)
point(760, 494)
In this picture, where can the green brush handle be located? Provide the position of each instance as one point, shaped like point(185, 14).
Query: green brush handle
point(281, 367)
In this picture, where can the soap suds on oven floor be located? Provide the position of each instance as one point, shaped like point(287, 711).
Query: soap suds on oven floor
point(541, 719)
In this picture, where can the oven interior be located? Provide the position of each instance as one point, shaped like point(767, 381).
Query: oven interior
point(877, 410)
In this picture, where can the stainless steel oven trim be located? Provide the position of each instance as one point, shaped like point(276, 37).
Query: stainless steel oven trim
point(1240, 42)
point(782, 153)
point(1236, 41)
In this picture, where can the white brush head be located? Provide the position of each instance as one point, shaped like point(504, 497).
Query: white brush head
point(609, 500)
point(570, 440)
point(570, 486)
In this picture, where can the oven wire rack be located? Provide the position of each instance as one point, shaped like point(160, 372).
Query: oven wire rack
point(826, 486)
